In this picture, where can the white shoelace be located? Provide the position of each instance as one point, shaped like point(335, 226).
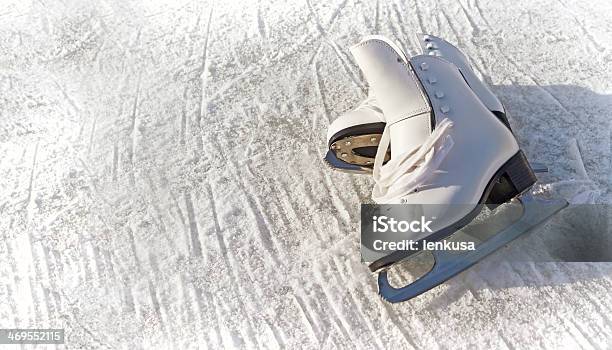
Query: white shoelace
point(404, 173)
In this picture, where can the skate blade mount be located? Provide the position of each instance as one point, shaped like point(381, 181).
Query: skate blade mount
point(354, 153)
point(534, 211)
point(343, 155)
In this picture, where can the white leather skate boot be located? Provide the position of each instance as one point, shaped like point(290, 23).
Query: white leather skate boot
point(449, 148)
point(353, 137)
point(451, 155)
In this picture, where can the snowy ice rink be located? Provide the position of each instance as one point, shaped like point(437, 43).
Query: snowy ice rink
point(161, 181)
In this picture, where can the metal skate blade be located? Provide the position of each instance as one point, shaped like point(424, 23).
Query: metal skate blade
point(448, 264)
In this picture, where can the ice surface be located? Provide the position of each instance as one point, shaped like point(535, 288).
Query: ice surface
point(161, 181)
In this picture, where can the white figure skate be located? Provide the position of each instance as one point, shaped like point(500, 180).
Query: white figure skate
point(450, 149)
point(354, 136)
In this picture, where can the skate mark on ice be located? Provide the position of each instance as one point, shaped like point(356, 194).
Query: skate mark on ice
point(334, 315)
point(233, 268)
point(456, 34)
point(262, 223)
point(316, 51)
point(37, 280)
point(91, 135)
point(574, 150)
point(196, 245)
point(313, 331)
point(73, 320)
point(336, 13)
point(391, 314)
point(245, 300)
point(290, 209)
point(377, 18)
point(475, 28)
point(583, 28)
point(238, 295)
point(334, 303)
point(115, 165)
point(552, 293)
point(506, 341)
point(112, 274)
point(324, 33)
point(588, 12)
point(132, 243)
point(405, 38)
point(12, 287)
point(92, 185)
point(52, 308)
point(590, 291)
point(157, 297)
point(99, 268)
point(262, 226)
point(480, 13)
point(35, 315)
point(202, 71)
point(371, 307)
point(261, 25)
point(353, 310)
point(419, 16)
point(346, 65)
point(12, 301)
point(28, 201)
point(476, 31)
point(332, 18)
point(337, 200)
point(183, 127)
point(206, 304)
point(67, 97)
point(230, 333)
point(320, 88)
point(579, 310)
point(221, 90)
point(155, 303)
point(186, 313)
point(535, 82)
point(213, 212)
point(555, 99)
point(317, 308)
point(177, 208)
point(248, 155)
point(538, 86)
point(134, 128)
point(158, 218)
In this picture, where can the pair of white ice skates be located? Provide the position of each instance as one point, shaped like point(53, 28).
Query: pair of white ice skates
point(430, 132)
